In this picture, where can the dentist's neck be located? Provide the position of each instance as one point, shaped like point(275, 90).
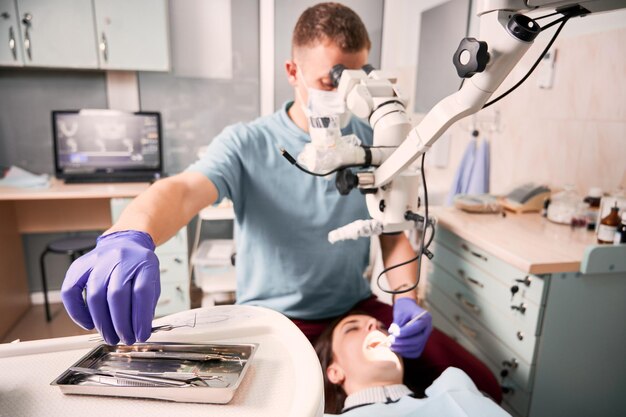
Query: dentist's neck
point(296, 114)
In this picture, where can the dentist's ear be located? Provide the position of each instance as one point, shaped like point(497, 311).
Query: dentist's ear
point(292, 72)
point(335, 374)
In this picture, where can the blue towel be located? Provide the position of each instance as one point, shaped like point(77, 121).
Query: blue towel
point(472, 176)
point(479, 180)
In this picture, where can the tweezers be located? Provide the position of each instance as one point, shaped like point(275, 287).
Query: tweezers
point(189, 356)
point(161, 328)
point(151, 378)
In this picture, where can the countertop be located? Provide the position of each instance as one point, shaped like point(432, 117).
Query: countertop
point(529, 242)
point(59, 190)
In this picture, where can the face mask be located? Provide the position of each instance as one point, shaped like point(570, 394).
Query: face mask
point(324, 103)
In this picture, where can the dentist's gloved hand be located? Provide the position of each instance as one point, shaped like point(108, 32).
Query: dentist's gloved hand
point(409, 338)
point(121, 276)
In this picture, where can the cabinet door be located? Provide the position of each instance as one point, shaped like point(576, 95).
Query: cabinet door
point(58, 33)
point(132, 35)
point(10, 45)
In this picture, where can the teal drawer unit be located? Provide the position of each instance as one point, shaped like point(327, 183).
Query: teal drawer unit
point(515, 397)
point(555, 341)
point(173, 267)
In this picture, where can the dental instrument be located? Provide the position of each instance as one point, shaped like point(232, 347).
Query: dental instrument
point(155, 329)
point(389, 339)
point(138, 376)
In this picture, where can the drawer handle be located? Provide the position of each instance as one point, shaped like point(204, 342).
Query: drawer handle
point(512, 363)
point(178, 260)
point(520, 335)
point(468, 303)
point(476, 254)
point(521, 308)
point(526, 281)
point(163, 301)
point(507, 390)
point(470, 279)
point(467, 330)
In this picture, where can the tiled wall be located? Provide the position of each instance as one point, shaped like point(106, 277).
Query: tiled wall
point(574, 133)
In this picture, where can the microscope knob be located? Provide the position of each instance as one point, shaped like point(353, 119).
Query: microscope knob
point(345, 181)
point(471, 57)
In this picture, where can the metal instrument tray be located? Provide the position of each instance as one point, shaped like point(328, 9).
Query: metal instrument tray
point(219, 370)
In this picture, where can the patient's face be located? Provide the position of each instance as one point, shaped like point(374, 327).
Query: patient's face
point(356, 350)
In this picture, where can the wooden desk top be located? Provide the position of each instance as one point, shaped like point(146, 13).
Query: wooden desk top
point(527, 241)
point(58, 190)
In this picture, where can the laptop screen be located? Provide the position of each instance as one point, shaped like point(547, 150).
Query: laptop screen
point(105, 142)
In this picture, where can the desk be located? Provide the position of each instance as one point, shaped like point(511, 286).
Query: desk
point(59, 208)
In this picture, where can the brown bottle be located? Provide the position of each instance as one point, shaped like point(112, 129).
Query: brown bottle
point(608, 226)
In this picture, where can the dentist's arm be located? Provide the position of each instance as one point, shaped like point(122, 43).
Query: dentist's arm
point(410, 337)
point(120, 277)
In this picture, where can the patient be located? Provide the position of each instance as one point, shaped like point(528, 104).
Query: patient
point(363, 377)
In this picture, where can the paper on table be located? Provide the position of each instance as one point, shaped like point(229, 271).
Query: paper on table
point(18, 177)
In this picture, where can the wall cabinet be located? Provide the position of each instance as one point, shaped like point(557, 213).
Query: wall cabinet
point(10, 50)
point(85, 34)
point(57, 33)
point(173, 267)
point(132, 35)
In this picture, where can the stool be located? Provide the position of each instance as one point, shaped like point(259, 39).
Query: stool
point(72, 246)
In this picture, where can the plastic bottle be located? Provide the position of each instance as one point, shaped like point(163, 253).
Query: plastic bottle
point(608, 226)
point(593, 198)
point(620, 234)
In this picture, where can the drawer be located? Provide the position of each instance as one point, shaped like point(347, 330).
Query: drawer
point(529, 286)
point(492, 296)
point(173, 267)
point(514, 291)
point(516, 365)
point(516, 398)
point(174, 298)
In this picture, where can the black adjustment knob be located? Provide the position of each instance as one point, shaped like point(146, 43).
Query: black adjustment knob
point(345, 181)
point(504, 373)
point(335, 74)
point(367, 68)
point(514, 290)
point(471, 57)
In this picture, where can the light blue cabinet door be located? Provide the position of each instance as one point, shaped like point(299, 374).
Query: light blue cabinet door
point(10, 44)
point(132, 35)
point(58, 33)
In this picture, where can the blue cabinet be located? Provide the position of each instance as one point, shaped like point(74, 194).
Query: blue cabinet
point(10, 50)
point(132, 35)
point(556, 340)
point(59, 33)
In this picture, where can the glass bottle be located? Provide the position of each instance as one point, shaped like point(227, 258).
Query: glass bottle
point(620, 234)
point(608, 226)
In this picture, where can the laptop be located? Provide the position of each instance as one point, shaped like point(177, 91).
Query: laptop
point(107, 146)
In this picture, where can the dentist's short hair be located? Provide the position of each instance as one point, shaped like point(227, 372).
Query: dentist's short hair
point(332, 22)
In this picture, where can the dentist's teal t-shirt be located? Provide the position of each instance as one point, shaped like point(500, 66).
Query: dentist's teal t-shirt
point(284, 260)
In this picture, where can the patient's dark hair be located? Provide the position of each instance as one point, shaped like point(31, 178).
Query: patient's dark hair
point(334, 22)
point(334, 395)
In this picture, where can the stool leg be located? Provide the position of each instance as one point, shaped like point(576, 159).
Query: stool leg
point(45, 285)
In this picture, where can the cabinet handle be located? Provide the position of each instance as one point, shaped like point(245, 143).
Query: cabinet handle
point(512, 363)
point(476, 254)
point(467, 303)
point(28, 18)
point(468, 331)
point(104, 47)
point(526, 281)
point(12, 43)
point(470, 279)
point(520, 335)
point(507, 390)
point(521, 308)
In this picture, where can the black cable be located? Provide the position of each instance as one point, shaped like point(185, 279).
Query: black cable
point(423, 247)
point(563, 20)
point(295, 163)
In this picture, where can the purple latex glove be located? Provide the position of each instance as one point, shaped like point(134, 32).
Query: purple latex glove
point(121, 276)
point(409, 337)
